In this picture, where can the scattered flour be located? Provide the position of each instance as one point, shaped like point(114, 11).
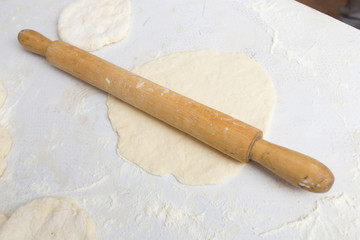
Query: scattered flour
point(331, 218)
point(275, 28)
point(171, 215)
point(175, 217)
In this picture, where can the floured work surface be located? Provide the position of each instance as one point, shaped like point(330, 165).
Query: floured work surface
point(64, 145)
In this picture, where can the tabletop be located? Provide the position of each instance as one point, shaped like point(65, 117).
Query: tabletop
point(63, 143)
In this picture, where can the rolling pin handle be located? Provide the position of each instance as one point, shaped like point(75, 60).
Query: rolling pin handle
point(34, 41)
point(296, 168)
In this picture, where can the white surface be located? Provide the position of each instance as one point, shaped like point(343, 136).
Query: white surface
point(233, 84)
point(92, 24)
point(64, 144)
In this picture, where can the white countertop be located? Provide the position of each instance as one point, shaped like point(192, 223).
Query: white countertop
point(64, 144)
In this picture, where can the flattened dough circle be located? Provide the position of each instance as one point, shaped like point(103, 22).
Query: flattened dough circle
point(5, 146)
point(3, 94)
point(5, 138)
point(229, 82)
point(92, 24)
point(49, 218)
point(3, 219)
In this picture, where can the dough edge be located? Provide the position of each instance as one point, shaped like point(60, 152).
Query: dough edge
point(183, 176)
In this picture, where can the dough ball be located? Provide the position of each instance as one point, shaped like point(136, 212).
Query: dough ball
point(49, 218)
point(229, 82)
point(92, 24)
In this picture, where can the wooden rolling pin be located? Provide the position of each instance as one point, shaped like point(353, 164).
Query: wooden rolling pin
point(220, 131)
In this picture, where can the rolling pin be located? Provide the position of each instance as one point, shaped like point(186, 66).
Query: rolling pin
point(220, 131)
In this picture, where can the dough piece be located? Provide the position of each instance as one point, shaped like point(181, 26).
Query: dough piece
point(5, 146)
point(5, 138)
point(229, 82)
point(2, 94)
point(49, 218)
point(92, 24)
point(3, 219)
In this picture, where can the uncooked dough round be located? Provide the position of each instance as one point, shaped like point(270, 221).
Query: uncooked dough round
point(5, 138)
point(92, 24)
point(229, 82)
point(2, 94)
point(5, 146)
point(3, 219)
point(49, 218)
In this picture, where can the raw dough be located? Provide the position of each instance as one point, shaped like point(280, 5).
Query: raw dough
point(230, 82)
point(5, 138)
point(5, 146)
point(2, 94)
point(92, 24)
point(3, 219)
point(49, 218)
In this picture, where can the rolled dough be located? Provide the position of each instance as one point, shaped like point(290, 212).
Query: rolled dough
point(5, 138)
point(5, 146)
point(49, 218)
point(92, 24)
point(3, 219)
point(229, 82)
point(3, 94)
